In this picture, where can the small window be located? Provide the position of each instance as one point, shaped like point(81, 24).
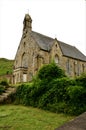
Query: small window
point(56, 59)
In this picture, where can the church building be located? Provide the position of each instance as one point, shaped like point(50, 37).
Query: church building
point(36, 49)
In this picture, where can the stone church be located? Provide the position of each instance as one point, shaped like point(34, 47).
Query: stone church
point(36, 49)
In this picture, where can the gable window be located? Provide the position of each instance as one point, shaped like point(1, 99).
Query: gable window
point(56, 59)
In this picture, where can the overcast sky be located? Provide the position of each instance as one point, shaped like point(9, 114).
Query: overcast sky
point(61, 19)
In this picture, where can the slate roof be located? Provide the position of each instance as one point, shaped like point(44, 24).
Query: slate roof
point(71, 51)
point(45, 43)
point(79, 123)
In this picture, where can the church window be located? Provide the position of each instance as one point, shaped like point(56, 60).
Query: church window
point(78, 69)
point(83, 67)
point(40, 61)
point(75, 68)
point(68, 66)
point(56, 59)
point(24, 60)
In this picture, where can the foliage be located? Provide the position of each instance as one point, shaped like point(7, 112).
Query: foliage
point(2, 89)
point(56, 93)
point(77, 99)
point(3, 86)
point(4, 83)
point(81, 80)
point(50, 71)
point(6, 66)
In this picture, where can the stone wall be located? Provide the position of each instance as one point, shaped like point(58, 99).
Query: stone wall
point(30, 58)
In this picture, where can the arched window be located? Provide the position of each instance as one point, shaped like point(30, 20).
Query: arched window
point(68, 66)
point(56, 59)
point(40, 61)
point(24, 60)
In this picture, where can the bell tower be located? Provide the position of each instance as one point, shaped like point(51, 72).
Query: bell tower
point(27, 23)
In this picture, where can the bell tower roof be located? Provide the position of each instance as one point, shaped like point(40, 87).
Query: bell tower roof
point(27, 22)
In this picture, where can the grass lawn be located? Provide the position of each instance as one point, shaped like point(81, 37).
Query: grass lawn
point(6, 66)
point(16, 117)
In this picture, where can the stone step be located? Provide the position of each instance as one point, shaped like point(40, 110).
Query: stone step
point(9, 90)
point(6, 94)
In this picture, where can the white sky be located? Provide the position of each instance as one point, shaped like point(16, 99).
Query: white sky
point(63, 19)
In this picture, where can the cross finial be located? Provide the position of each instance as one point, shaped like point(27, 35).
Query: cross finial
point(28, 11)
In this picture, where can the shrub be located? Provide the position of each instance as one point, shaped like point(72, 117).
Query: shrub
point(77, 99)
point(4, 83)
point(2, 89)
point(50, 72)
point(52, 90)
point(21, 94)
point(57, 92)
point(81, 80)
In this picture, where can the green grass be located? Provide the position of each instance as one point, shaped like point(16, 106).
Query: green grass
point(16, 117)
point(6, 66)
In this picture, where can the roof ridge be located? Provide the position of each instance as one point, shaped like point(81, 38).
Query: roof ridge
point(71, 51)
point(43, 35)
point(66, 43)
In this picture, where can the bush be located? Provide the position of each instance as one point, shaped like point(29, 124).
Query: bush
point(50, 72)
point(52, 90)
point(2, 89)
point(21, 94)
point(77, 99)
point(81, 80)
point(4, 83)
point(57, 92)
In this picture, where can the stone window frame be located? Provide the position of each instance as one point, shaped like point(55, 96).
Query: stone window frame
point(56, 59)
